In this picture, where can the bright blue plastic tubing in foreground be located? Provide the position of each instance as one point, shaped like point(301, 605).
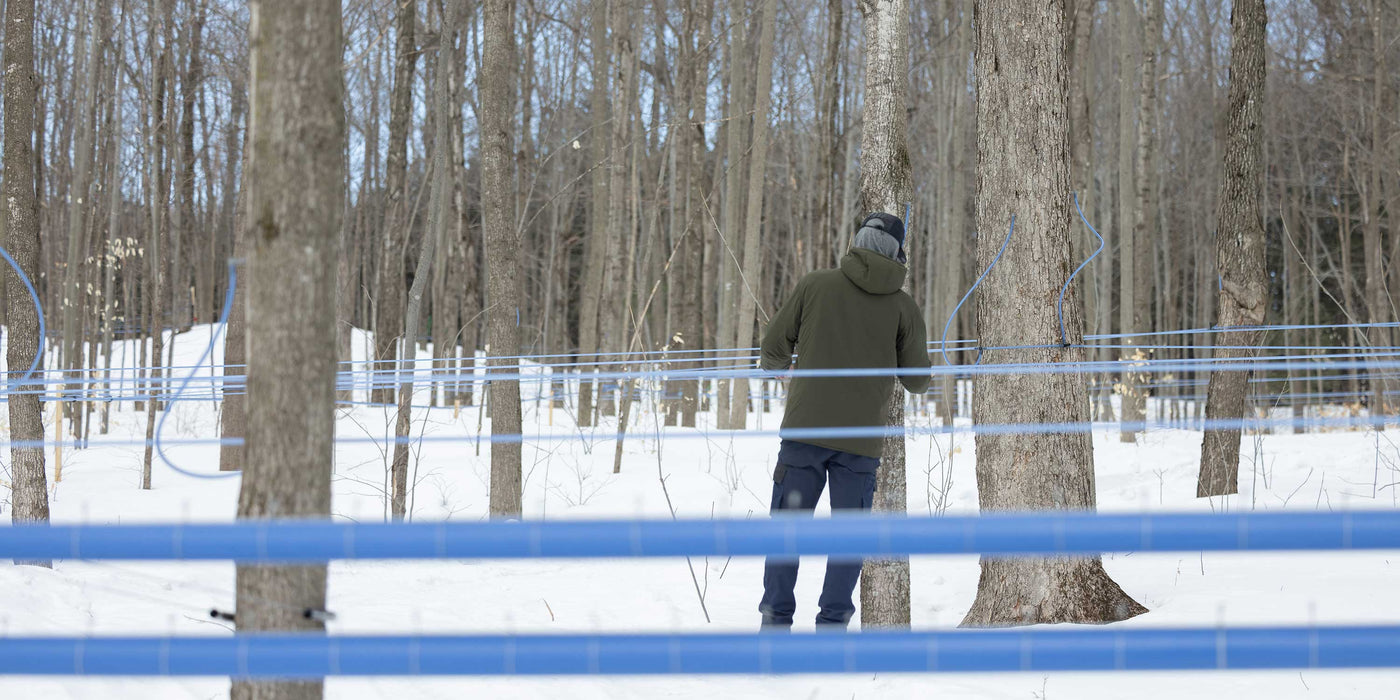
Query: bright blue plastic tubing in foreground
point(1073, 649)
point(1000, 534)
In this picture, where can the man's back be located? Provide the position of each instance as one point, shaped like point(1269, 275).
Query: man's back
point(855, 317)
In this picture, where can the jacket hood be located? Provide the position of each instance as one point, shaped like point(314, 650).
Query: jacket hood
point(872, 272)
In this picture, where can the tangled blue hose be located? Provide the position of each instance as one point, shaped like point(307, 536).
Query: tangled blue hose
point(213, 338)
point(1060, 306)
point(946, 326)
point(38, 310)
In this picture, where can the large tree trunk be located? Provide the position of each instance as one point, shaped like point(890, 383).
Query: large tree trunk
point(29, 495)
point(502, 251)
point(297, 178)
point(885, 187)
point(753, 252)
point(1239, 246)
point(388, 299)
point(1023, 172)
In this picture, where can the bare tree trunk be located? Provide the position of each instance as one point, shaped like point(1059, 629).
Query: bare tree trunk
point(502, 252)
point(828, 147)
point(884, 187)
point(78, 205)
point(753, 219)
point(159, 230)
point(233, 418)
point(388, 300)
point(1244, 290)
point(596, 246)
point(1128, 38)
point(189, 231)
point(687, 336)
point(1294, 307)
point(1080, 19)
point(1023, 172)
point(445, 307)
point(1379, 300)
point(619, 229)
point(950, 252)
point(440, 216)
point(112, 258)
point(29, 496)
point(729, 254)
point(297, 177)
point(1138, 260)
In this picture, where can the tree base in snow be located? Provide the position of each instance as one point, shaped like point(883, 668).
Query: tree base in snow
point(1037, 591)
point(884, 594)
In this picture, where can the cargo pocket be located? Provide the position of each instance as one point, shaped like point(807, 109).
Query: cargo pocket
point(867, 496)
point(779, 472)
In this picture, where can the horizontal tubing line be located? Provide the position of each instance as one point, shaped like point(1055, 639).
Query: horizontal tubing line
point(1003, 534)
point(673, 352)
point(388, 377)
point(1239, 364)
point(303, 655)
point(856, 431)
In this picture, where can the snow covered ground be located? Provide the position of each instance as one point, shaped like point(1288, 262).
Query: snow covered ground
point(705, 474)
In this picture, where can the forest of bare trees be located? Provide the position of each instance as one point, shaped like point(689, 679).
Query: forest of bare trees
point(595, 180)
point(636, 157)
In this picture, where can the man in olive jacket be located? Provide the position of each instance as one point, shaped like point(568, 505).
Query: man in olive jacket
point(851, 318)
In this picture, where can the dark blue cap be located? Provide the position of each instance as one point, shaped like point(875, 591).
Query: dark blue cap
point(889, 223)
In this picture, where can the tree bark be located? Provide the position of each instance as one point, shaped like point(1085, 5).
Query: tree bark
point(1128, 38)
point(29, 495)
point(884, 187)
point(389, 292)
point(690, 151)
point(596, 246)
point(950, 251)
point(442, 206)
point(297, 177)
point(753, 218)
point(616, 287)
point(730, 260)
point(1138, 259)
point(233, 418)
point(439, 212)
point(1379, 300)
point(502, 250)
point(1239, 244)
point(78, 206)
point(114, 252)
point(159, 198)
point(1023, 172)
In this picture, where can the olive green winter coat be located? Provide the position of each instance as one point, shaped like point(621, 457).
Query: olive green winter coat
point(853, 317)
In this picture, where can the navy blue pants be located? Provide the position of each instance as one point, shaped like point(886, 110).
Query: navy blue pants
point(798, 489)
